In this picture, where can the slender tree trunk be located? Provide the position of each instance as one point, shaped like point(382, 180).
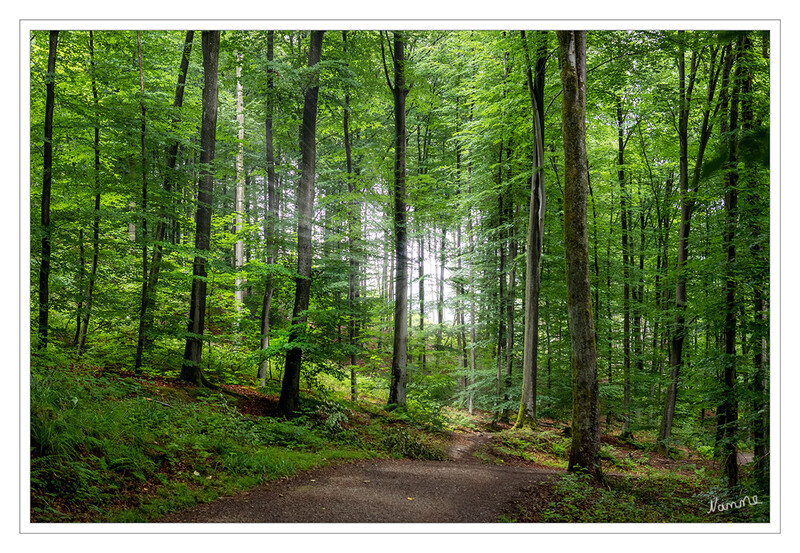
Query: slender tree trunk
point(730, 407)
point(421, 263)
point(472, 309)
point(440, 297)
point(688, 192)
point(191, 371)
point(502, 299)
point(271, 214)
point(290, 390)
point(145, 290)
point(239, 192)
point(47, 179)
point(81, 279)
point(147, 306)
point(626, 277)
point(584, 453)
point(397, 387)
point(533, 252)
point(354, 234)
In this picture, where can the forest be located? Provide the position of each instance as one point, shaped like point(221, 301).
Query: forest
point(259, 252)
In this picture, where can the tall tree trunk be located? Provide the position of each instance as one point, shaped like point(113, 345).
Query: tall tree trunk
point(239, 192)
point(191, 371)
point(584, 453)
point(145, 301)
point(270, 217)
point(750, 212)
point(626, 277)
point(533, 252)
point(397, 386)
point(354, 235)
point(47, 179)
point(148, 303)
point(290, 390)
point(501, 275)
point(421, 263)
point(84, 322)
point(730, 407)
point(688, 192)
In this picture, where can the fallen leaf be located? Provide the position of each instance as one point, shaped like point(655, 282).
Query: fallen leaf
point(410, 498)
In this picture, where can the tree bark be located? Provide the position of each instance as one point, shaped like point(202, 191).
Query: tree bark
point(270, 217)
point(626, 277)
point(533, 252)
point(397, 386)
point(239, 192)
point(290, 390)
point(191, 371)
point(730, 408)
point(584, 453)
point(145, 300)
point(47, 179)
point(354, 235)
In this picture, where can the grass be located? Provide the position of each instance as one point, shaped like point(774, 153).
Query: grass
point(114, 448)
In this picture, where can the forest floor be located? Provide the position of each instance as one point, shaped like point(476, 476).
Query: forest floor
point(462, 489)
point(120, 448)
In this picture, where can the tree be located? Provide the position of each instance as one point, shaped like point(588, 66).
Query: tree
point(533, 252)
point(290, 390)
point(239, 191)
point(145, 300)
point(149, 294)
point(397, 385)
point(47, 179)
point(688, 192)
point(354, 231)
point(271, 211)
point(83, 325)
point(191, 370)
point(729, 410)
point(584, 453)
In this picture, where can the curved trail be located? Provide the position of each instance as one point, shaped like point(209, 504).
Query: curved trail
point(461, 490)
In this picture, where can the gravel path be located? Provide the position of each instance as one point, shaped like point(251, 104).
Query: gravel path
point(461, 490)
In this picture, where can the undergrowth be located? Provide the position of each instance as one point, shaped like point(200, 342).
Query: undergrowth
point(113, 448)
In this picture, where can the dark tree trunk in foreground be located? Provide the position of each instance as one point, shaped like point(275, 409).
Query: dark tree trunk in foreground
point(47, 179)
point(149, 298)
point(584, 453)
point(290, 390)
point(271, 211)
point(729, 410)
point(533, 252)
point(397, 386)
point(191, 370)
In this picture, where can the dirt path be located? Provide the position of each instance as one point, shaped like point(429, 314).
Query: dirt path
point(460, 490)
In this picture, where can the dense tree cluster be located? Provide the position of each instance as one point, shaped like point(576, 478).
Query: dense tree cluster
point(397, 209)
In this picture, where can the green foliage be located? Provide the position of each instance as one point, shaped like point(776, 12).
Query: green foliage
point(655, 498)
point(97, 439)
point(469, 151)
